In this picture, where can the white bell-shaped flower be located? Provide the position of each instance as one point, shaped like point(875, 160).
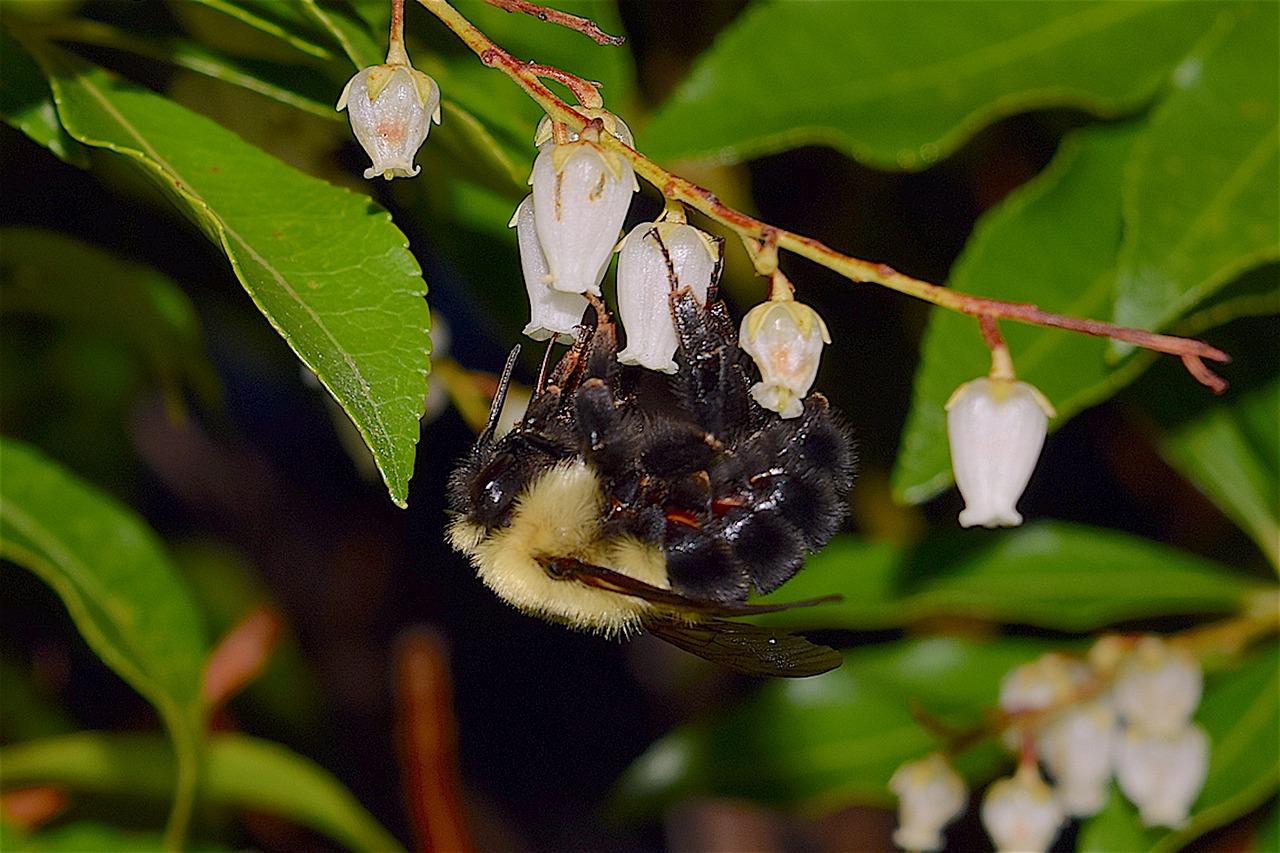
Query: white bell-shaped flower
point(645, 286)
point(1162, 774)
point(785, 338)
point(1076, 748)
point(391, 108)
point(581, 193)
point(551, 311)
point(996, 428)
point(930, 795)
point(1158, 686)
point(1050, 680)
point(1021, 814)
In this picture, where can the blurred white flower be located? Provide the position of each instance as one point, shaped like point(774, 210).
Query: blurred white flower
point(1021, 814)
point(391, 108)
point(1162, 774)
point(996, 428)
point(1048, 681)
point(930, 795)
point(581, 193)
point(1158, 686)
point(1076, 748)
point(645, 286)
point(551, 311)
point(785, 338)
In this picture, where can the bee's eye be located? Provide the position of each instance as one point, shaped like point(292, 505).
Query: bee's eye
point(496, 487)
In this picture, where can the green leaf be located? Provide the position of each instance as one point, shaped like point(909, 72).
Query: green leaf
point(900, 85)
point(1268, 837)
point(26, 104)
point(25, 712)
point(280, 20)
point(1051, 575)
point(834, 740)
point(1241, 713)
point(240, 771)
point(1230, 452)
point(326, 267)
point(98, 837)
point(52, 275)
point(117, 583)
point(1052, 242)
point(1202, 196)
point(352, 33)
point(298, 86)
point(1116, 827)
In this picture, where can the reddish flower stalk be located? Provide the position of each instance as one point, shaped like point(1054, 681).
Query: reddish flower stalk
point(553, 16)
point(675, 188)
point(586, 91)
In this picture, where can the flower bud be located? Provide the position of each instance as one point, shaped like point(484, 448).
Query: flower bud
point(785, 338)
point(551, 312)
point(1158, 686)
point(645, 286)
point(996, 428)
point(1076, 748)
point(581, 193)
point(1162, 774)
point(391, 107)
point(1021, 814)
point(930, 795)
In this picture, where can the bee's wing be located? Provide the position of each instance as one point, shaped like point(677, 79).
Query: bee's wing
point(743, 647)
point(695, 626)
point(599, 577)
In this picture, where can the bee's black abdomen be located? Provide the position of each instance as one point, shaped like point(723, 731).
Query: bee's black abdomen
point(825, 444)
point(769, 546)
point(701, 566)
point(810, 502)
point(674, 449)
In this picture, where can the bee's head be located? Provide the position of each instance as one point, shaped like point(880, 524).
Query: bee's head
point(485, 486)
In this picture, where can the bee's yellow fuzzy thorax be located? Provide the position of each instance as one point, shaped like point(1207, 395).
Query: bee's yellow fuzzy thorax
point(558, 515)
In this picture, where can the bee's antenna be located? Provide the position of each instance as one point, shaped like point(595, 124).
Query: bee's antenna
point(672, 282)
point(542, 371)
point(713, 290)
point(495, 410)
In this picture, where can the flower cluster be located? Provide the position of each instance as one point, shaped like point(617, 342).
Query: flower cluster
point(567, 229)
point(1124, 713)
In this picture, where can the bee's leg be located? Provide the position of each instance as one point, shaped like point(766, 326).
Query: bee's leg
point(712, 381)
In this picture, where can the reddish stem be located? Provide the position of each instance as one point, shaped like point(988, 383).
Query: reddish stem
point(675, 188)
point(586, 91)
point(428, 744)
point(990, 332)
point(583, 25)
point(241, 655)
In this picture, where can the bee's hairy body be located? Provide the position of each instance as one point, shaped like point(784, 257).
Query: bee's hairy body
point(609, 517)
point(557, 516)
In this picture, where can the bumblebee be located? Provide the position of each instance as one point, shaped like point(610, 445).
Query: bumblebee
point(611, 516)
